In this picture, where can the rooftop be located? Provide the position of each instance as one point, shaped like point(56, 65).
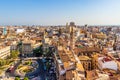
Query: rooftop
point(107, 59)
point(84, 58)
point(79, 67)
point(86, 49)
point(64, 57)
point(69, 75)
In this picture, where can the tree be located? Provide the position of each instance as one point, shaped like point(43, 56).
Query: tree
point(26, 78)
point(2, 62)
point(38, 51)
point(17, 78)
point(19, 46)
point(14, 54)
point(48, 52)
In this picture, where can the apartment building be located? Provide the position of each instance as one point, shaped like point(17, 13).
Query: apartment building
point(4, 52)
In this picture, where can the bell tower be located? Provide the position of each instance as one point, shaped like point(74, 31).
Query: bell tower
point(72, 29)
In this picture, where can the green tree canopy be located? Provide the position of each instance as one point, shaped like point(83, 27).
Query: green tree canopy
point(17, 78)
point(14, 53)
point(26, 78)
point(38, 51)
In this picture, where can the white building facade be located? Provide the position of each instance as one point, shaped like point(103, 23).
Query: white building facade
point(109, 64)
point(4, 52)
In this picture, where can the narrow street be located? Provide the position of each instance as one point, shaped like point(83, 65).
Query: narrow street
point(42, 73)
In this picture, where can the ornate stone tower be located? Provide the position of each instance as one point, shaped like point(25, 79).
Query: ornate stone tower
point(72, 29)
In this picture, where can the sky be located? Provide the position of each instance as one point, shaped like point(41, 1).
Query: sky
point(58, 12)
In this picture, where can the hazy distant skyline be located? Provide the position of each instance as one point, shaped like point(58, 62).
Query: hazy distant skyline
point(58, 12)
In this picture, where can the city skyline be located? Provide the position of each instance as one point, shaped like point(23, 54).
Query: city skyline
point(58, 12)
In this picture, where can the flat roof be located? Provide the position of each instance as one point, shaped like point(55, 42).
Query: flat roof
point(84, 58)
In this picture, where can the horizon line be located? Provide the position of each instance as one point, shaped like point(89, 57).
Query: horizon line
point(60, 25)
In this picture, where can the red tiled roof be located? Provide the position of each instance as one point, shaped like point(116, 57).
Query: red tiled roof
point(107, 59)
